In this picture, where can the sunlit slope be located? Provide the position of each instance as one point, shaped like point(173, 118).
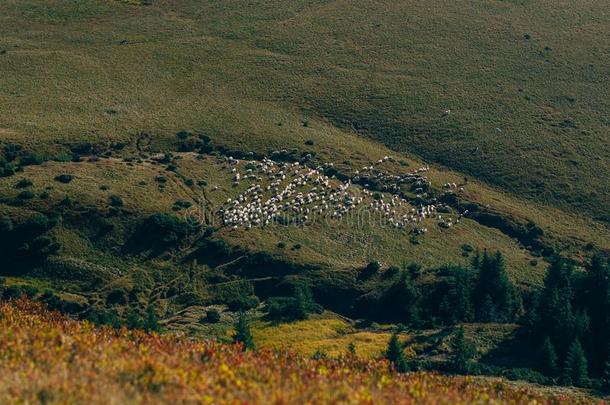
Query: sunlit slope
point(335, 245)
point(526, 82)
point(52, 359)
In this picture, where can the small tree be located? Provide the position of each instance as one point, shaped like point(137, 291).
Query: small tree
point(575, 366)
point(134, 321)
point(606, 377)
point(151, 322)
point(487, 312)
point(351, 349)
point(212, 316)
point(243, 334)
point(395, 354)
point(548, 358)
point(462, 352)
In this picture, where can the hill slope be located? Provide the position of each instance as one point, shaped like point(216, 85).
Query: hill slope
point(529, 111)
point(52, 359)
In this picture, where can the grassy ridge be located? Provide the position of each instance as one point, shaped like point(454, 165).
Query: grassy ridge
point(529, 111)
point(52, 359)
point(338, 247)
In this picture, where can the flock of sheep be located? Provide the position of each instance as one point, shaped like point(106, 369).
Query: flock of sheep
point(280, 192)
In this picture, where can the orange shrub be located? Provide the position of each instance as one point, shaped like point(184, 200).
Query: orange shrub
point(46, 357)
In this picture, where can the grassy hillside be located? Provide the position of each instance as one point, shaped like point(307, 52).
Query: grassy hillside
point(120, 121)
point(529, 111)
point(51, 359)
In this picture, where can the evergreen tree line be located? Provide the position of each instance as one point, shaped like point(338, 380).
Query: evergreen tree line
point(481, 292)
point(569, 320)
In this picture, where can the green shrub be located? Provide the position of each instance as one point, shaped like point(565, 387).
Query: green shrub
point(64, 178)
point(462, 352)
point(30, 159)
point(243, 334)
point(23, 183)
point(25, 195)
point(297, 307)
point(189, 299)
point(183, 134)
point(212, 316)
point(181, 204)
point(116, 201)
point(243, 303)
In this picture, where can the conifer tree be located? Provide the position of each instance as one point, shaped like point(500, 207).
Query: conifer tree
point(134, 321)
point(243, 334)
point(400, 300)
point(548, 358)
point(351, 349)
point(462, 352)
point(487, 311)
point(597, 300)
point(395, 354)
point(606, 377)
point(555, 316)
point(151, 322)
point(575, 366)
point(457, 302)
point(493, 293)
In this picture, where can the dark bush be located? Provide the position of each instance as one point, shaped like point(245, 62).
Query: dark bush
point(296, 307)
point(64, 178)
point(26, 195)
point(23, 183)
point(189, 299)
point(238, 304)
point(212, 316)
point(167, 229)
point(117, 297)
point(370, 270)
point(183, 134)
point(30, 159)
point(6, 224)
point(116, 201)
point(181, 204)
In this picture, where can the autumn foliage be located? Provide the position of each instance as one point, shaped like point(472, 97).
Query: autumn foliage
point(48, 358)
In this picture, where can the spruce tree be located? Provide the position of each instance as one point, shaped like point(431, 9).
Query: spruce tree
point(462, 352)
point(575, 366)
point(487, 311)
point(554, 315)
point(351, 349)
point(134, 321)
point(400, 300)
point(606, 377)
point(456, 305)
point(597, 300)
point(547, 358)
point(493, 293)
point(395, 354)
point(243, 334)
point(151, 322)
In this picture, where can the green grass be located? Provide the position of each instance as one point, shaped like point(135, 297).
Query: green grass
point(357, 78)
point(381, 69)
point(334, 246)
